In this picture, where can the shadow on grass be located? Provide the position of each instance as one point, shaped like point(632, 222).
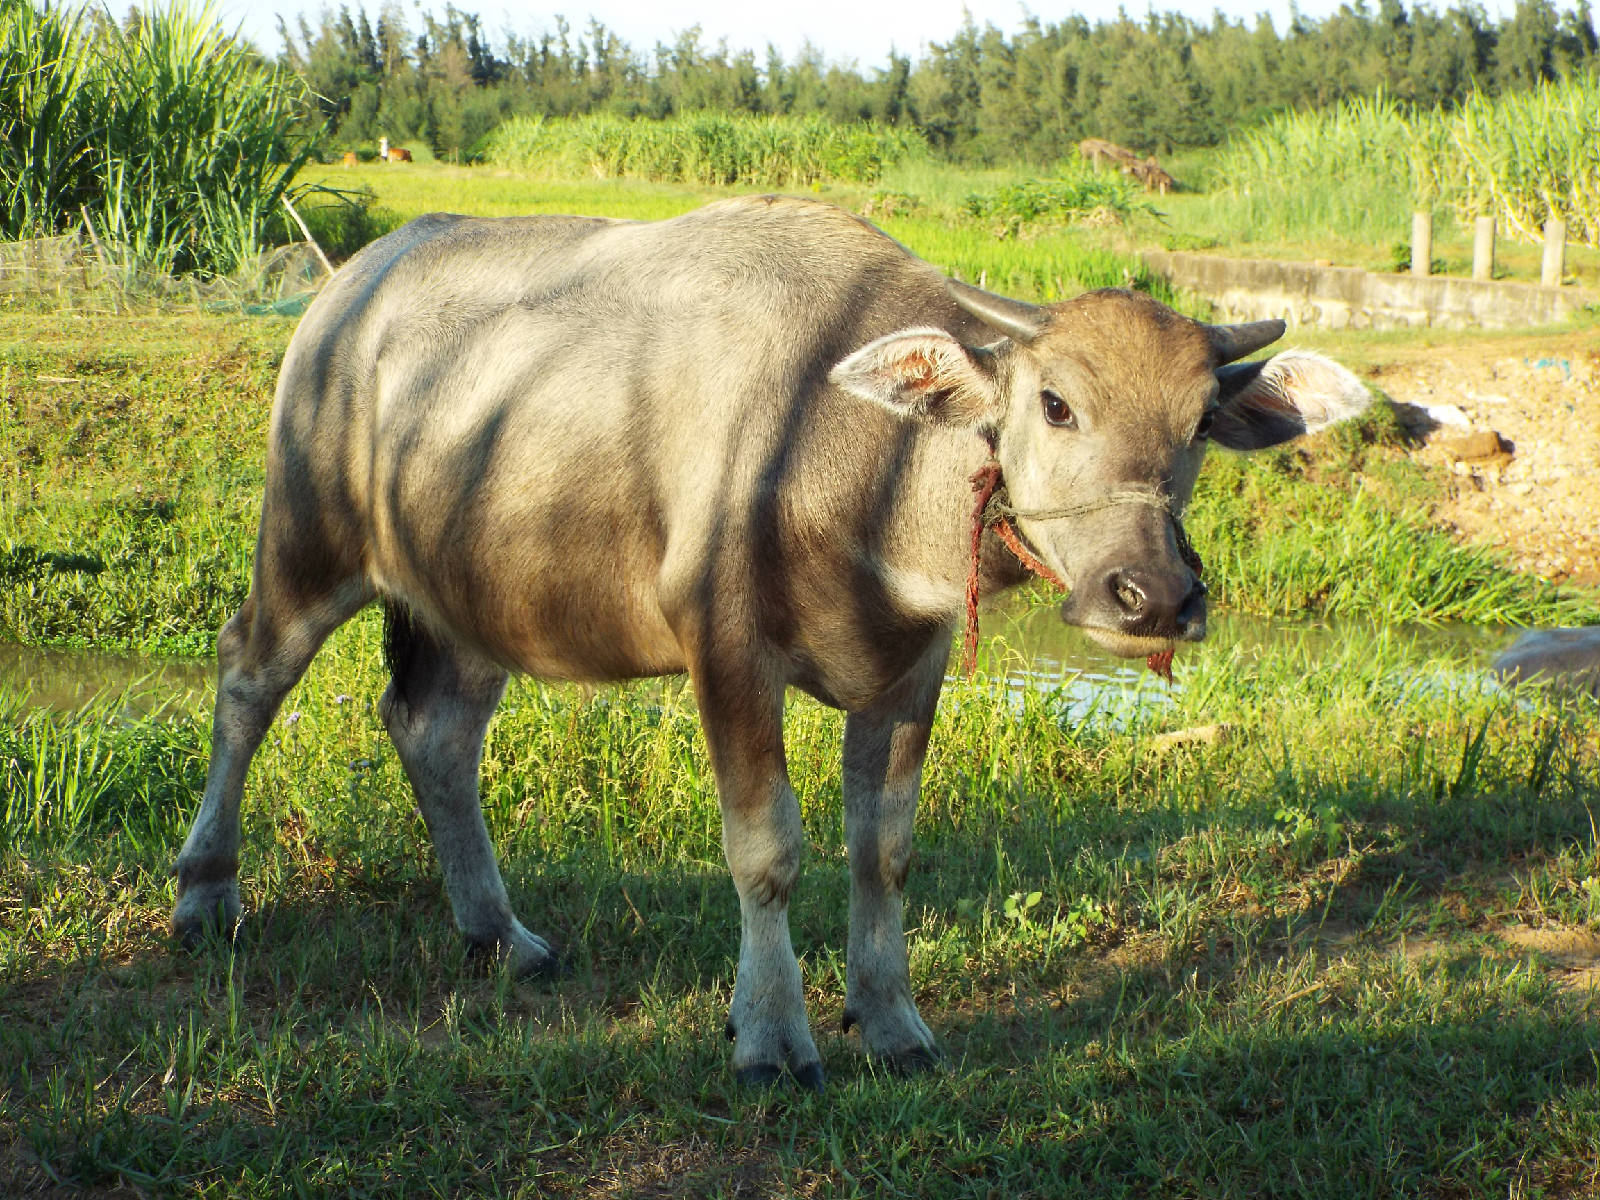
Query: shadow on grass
point(1201, 1039)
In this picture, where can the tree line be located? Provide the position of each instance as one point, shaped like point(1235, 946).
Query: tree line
point(1154, 84)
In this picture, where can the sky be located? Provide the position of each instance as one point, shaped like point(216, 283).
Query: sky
point(844, 30)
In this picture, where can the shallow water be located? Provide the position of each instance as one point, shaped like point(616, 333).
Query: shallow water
point(1029, 644)
point(1036, 649)
point(70, 680)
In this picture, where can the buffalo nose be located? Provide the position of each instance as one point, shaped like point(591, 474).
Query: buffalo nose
point(1154, 603)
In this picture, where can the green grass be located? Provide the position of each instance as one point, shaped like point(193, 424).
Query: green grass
point(1049, 264)
point(1281, 966)
point(1341, 183)
point(1290, 964)
point(166, 140)
point(702, 147)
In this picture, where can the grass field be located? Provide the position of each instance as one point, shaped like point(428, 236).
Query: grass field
point(1351, 950)
point(923, 203)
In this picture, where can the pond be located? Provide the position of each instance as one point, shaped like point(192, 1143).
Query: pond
point(1029, 642)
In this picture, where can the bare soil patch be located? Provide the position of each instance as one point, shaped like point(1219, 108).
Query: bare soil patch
point(1514, 426)
point(1573, 954)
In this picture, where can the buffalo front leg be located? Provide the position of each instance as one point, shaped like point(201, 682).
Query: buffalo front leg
point(261, 653)
point(762, 837)
point(884, 746)
point(437, 708)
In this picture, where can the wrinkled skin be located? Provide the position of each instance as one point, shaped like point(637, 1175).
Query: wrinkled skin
point(735, 444)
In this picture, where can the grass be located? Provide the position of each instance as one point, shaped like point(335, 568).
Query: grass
point(1293, 963)
point(165, 140)
point(1283, 966)
point(702, 147)
point(1341, 183)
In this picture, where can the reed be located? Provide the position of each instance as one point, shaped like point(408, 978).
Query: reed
point(1361, 166)
point(704, 148)
point(170, 140)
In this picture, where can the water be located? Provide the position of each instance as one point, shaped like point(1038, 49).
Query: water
point(70, 680)
point(1030, 644)
point(1036, 649)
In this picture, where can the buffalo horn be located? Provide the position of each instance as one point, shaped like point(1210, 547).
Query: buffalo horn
point(1233, 342)
point(1017, 319)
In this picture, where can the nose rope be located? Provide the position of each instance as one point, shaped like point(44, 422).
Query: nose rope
point(1000, 509)
point(992, 509)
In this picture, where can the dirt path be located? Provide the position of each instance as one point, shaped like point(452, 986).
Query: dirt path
point(1516, 426)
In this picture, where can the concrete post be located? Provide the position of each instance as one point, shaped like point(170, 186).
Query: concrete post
point(1555, 252)
point(1421, 243)
point(1483, 248)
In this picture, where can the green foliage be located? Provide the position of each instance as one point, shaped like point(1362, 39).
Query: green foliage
point(704, 148)
point(1361, 166)
point(1527, 156)
point(1074, 195)
point(169, 140)
point(1334, 528)
point(1153, 82)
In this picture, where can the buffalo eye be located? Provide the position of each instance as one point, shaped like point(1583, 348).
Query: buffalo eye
point(1056, 410)
point(1203, 430)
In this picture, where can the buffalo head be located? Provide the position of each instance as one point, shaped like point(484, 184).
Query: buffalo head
point(1100, 410)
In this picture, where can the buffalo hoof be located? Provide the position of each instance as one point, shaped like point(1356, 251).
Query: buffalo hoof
point(204, 912)
point(894, 1036)
point(915, 1061)
point(521, 954)
point(766, 1075)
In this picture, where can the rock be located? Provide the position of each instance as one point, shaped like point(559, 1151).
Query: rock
point(1479, 449)
point(1567, 657)
point(1447, 414)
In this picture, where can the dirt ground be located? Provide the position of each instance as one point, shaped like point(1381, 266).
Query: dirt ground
point(1516, 426)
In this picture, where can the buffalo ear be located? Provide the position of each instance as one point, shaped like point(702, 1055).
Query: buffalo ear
point(1263, 404)
point(924, 373)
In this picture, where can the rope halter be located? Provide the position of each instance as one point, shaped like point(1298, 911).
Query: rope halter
point(992, 509)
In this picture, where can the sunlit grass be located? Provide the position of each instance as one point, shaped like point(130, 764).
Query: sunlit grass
point(1144, 965)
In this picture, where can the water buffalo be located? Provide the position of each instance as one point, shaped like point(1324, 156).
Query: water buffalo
point(737, 443)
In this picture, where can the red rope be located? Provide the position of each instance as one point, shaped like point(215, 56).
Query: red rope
point(1008, 535)
point(985, 482)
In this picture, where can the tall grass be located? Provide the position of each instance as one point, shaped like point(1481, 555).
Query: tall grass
point(1362, 165)
point(170, 140)
point(705, 148)
point(1344, 168)
point(1529, 155)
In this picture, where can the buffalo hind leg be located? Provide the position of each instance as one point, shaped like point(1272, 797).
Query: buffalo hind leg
point(762, 837)
point(437, 708)
point(261, 653)
point(884, 746)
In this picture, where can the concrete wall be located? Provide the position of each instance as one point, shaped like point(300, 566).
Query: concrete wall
point(1246, 289)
